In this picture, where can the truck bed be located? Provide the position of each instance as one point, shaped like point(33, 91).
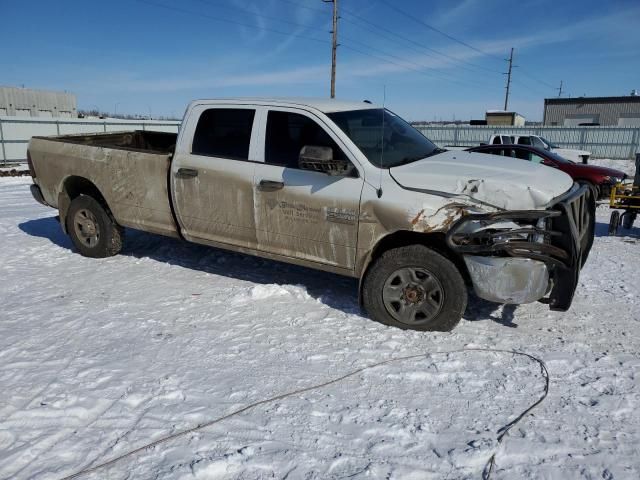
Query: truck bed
point(138, 140)
point(129, 169)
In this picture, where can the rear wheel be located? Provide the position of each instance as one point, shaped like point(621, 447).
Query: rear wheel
point(415, 288)
point(92, 230)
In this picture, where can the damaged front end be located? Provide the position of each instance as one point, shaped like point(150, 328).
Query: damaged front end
point(522, 256)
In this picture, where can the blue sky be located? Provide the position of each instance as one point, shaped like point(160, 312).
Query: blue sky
point(153, 56)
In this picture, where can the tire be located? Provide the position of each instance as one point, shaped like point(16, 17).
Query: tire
point(595, 190)
point(414, 288)
point(627, 220)
point(614, 222)
point(92, 230)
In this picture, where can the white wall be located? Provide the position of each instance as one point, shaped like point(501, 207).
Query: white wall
point(15, 132)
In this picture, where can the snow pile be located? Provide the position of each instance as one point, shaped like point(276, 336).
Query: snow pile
point(98, 357)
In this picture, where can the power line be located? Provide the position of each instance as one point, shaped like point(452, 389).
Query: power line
point(229, 20)
point(217, 5)
point(348, 38)
point(289, 34)
point(379, 28)
point(457, 40)
point(432, 28)
point(433, 73)
point(422, 72)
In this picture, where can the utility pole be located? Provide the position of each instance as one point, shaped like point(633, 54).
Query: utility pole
point(508, 74)
point(334, 46)
point(560, 89)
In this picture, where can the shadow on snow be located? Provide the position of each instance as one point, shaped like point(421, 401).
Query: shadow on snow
point(336, 291)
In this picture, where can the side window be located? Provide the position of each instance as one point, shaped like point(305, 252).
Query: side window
point(288, 132)
point(524, 141)
point(523, 154)
point(538, 143)
point(224, 132)
point(496, 140)
point(536, 158)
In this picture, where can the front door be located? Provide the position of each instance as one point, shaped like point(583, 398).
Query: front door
point(301, 213)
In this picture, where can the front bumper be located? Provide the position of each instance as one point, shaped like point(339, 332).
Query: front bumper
point(505, 268)
point(508, 280)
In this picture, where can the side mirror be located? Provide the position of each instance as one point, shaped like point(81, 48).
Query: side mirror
point(320, 159)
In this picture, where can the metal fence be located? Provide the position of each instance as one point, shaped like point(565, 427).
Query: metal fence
point(15, 132)
point(602, 142)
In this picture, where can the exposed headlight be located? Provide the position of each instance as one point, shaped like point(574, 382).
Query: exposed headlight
point(612, 179)
point(504, 228)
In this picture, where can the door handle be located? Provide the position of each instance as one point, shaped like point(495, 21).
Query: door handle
point(270, 185)
point(187, 173)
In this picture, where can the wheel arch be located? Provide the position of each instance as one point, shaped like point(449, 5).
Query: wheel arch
point(72, 187)
point(403, 238)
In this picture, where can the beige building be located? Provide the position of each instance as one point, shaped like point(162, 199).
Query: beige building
point(605, 111)
point(25, 102)
point(503, 118)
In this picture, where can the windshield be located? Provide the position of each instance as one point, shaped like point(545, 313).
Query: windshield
point(383, 137)
point(551, 145)
point(557, 157)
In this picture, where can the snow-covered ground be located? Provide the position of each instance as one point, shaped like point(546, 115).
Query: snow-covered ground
point(98, 357)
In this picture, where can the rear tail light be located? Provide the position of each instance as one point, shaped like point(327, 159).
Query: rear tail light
point(32, 171)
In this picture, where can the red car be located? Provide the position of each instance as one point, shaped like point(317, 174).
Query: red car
point(599, 178)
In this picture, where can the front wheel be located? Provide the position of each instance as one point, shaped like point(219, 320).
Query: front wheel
point(595, 189)
point(92, 230)
point(414, 288)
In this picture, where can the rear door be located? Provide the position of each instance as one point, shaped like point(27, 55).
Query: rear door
point(213, 176)
point(301, 213)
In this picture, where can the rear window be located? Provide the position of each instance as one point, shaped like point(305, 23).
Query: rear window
point(224, 132)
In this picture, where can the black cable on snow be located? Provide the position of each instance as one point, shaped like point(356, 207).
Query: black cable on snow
point(489, 466)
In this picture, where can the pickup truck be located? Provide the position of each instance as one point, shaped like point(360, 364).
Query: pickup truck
point(345, 187)
point(541, 142)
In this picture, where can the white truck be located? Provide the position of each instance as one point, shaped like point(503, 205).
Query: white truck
point(579, 156)
point(345, 187)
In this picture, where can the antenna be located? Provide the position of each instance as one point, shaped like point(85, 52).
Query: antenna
point(384, 102)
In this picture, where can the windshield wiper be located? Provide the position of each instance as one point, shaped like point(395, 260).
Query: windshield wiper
point(436, 152)
point(406, 160)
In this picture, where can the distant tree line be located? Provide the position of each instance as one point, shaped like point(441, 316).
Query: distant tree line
point(124, 116)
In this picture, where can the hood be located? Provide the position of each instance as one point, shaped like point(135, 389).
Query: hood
point(605, 171)
point(504, 183)
point(570, 151)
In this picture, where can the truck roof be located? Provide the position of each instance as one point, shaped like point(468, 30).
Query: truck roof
point(326, 105)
